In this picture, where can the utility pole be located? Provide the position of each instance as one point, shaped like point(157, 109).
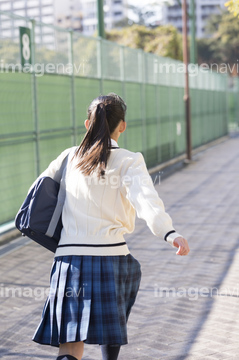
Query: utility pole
point(193, 47)
point(101, 25)
point(191, 16)
point(186, 90)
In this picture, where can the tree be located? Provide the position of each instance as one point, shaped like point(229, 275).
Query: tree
point(233, 7)
point(222, 47)
point(123, 23)
point(148, 13)
point(205, 53)
point(212, 24)
point(162, 40)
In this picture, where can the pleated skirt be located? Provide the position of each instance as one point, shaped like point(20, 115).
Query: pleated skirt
point(90, 300)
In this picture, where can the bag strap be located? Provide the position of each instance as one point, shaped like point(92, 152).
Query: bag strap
point(60, 178)
point(59, 173)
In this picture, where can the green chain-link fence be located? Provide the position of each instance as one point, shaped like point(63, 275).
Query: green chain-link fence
point(42, 111)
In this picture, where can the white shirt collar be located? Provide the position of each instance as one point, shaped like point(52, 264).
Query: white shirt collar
point(114, 143)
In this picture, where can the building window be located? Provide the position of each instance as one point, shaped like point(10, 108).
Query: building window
point(33, 12)
point(48, 19)
point(46, 30)
point(16, 33)
point(49, 38)
point(6, 24)
point(37, 30)
point(20, 12)
point(33, 3)
point(19, 4)
point(117, 13)
point(91, 15)
point(47, 10)
point(209, 7)
point(19, 22)
point(6, 33)
point(5, 6)
point(46, 2)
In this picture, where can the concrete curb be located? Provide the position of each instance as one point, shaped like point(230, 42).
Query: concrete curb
point(9, 235)
point(169, 167)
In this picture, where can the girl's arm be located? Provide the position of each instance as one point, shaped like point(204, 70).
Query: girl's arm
point(141, 193)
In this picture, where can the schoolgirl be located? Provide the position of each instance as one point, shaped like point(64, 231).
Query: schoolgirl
point(94, 278)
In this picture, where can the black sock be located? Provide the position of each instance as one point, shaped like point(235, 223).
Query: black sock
point(66, 357)
point(110, 352)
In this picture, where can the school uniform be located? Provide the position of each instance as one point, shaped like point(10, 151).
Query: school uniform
point(94, 278)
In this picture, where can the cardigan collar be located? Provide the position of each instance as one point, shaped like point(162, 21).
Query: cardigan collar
point(114, 143)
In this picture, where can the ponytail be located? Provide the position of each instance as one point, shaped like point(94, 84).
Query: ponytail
point(95, 147)
point(104, 114)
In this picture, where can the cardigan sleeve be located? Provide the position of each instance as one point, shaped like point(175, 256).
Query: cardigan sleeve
point(141, 193)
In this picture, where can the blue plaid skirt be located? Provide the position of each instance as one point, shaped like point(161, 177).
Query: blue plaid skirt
point(90, 300)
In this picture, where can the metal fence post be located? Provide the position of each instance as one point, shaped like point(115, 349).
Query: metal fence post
point(227, 113)
point(122, 75)
point(73, 113)
point(171, 94)
point(237, 108)
point(187, 90)
point(35, 105)
point(143, 69)
point(100, 14)
point(157, 94)
point(100, 64)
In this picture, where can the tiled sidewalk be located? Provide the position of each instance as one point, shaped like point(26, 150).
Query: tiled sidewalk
point(187, 307)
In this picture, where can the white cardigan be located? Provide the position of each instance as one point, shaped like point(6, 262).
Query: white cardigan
point(97, 213)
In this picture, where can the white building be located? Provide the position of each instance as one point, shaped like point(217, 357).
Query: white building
point(80, 15)
point(40, 10)
point(203, 9)
point(68, 15)
point(114, 11)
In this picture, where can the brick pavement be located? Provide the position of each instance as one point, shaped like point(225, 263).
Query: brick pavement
point(187, 307)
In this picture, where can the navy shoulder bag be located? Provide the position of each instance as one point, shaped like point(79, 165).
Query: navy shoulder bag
point(39, 217)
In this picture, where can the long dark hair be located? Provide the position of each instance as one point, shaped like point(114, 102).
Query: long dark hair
point(104, 115)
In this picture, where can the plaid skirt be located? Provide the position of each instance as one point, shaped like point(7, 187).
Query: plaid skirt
point(90, 300)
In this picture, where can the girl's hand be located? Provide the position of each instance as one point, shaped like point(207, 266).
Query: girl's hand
point(182, 245)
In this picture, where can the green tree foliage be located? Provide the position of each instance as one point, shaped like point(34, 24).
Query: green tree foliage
point(162, 40)
point(223, 45)
point(9, 51)
point(233, 7)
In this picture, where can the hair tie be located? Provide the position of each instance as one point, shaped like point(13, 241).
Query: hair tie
point(101, 106)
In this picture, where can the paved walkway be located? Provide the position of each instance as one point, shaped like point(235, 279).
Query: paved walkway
point(187, 307)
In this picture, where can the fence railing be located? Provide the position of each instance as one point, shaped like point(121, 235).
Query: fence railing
point(42, 108)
